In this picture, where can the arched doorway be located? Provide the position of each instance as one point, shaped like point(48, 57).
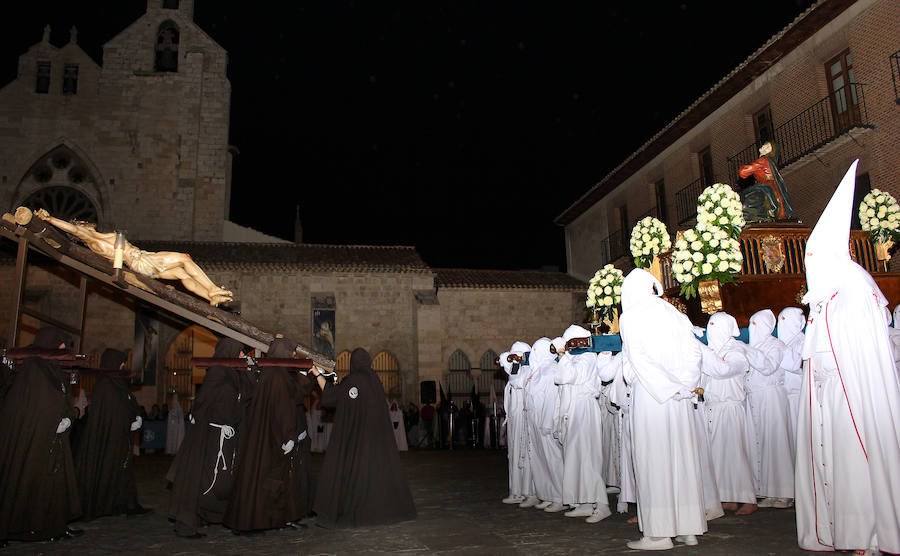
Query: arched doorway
point(385, 366)
point(181, 377)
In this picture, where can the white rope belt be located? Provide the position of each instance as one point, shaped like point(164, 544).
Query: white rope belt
point(226, 431)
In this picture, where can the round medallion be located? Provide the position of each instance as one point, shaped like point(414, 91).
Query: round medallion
point(353, 393)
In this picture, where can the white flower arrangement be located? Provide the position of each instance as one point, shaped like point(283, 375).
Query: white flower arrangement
point(705, 255)
point(879, 214)
point(605, 291)
point(719, 206)
point(648, 238)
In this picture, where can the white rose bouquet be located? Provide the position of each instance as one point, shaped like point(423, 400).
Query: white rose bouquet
point(605, 291)
point(721, 207)
point(879, 214)
point(648, 238)
point(705, 253)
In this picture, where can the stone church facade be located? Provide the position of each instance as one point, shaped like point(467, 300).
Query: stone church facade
point(140, 143)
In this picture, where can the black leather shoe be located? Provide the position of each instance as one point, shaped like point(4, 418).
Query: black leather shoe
point(137, 510)
point(254, 533)
point(68, 534)
point(197, 535)
point(295, 525)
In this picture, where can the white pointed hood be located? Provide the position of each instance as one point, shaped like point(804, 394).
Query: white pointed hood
point(638, 287)
point(540, 353)
point(576, 331)
point(827, 259)
point(721, 328)
point(520, 348)
point(790, 323)
point(762, 323)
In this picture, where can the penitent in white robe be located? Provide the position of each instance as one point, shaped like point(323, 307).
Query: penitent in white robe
point(791, 321)
point(662, 362)
point(768, 413)
point(847, 488)
point(540, 410)
point(520, 480)
point(725, 363)
point(610, 438)
point(848, 435)
point(581, 430)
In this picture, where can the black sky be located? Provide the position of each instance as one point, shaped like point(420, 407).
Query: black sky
point(462, 128)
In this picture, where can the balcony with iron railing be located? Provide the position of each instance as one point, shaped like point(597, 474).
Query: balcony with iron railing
point(618, 244)
point(811, 129)
point(686, 200)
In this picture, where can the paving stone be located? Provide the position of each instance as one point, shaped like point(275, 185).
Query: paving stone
point(457, 497)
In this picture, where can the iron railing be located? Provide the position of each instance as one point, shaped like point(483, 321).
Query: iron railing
point(686, 200)
point(811, 129)
point(618, 245)
point(894, 60)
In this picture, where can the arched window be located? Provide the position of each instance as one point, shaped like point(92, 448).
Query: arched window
point(385, 366)
point(58, 181)
point(342, 364)
point(459, 380)
point(167, 47)
point(491, 375)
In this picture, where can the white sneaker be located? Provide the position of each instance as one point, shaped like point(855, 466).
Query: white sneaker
point(513, 499)
point(529, 502)
point(689, 540)
point(554, 507)
point(783, 503)
point(600, 513)
point(543, 504)
point(767, 502)
point(651, 543)
point(613, 490)
point(581, 510)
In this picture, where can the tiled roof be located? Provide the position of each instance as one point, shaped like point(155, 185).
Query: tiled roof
point(319, 257)
point(531, 279)
point(782, 43)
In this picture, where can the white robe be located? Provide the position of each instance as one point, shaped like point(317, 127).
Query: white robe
point(663, 365)
point(545, 455)
point(848, 435)
point(609, 439)
point(620, 394)
point(768, 414)
point(519, 464)
point(581, 430)
point(726, 420)
point(399, 426)
point(790, 331)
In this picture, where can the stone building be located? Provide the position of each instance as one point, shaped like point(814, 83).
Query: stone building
point(140, 142)
point(825, 89)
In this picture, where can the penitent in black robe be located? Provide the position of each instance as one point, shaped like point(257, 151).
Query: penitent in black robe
point(268, 490)
point(202, 479)
point(103, 456)
point(38, 492)
point(362, 481)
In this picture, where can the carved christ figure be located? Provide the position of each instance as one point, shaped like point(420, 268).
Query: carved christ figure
point(167, 265)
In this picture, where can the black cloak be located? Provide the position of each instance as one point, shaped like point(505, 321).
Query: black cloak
point(362, 481)
point(202, 480)
point(267, 490)
point(103, 455)
point(38, 492)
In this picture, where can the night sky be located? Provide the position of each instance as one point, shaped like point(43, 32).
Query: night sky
point(462, 128)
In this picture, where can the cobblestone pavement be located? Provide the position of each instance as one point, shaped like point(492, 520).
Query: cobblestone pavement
point(458, 497)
